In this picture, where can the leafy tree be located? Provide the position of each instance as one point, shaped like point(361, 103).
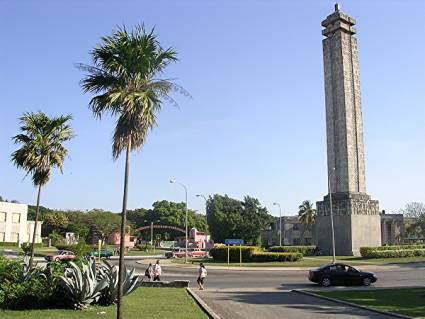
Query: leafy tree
point(231, 218)
point(137, 217)
point(55, 221)
point(306, 216)
point(125, 80)
point(41, 140)
point(415, 215)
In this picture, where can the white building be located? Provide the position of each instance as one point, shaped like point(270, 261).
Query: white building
point(14, 226)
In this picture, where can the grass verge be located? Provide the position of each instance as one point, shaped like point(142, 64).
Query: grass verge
point(410, 302)
point(172, 303)
point(315, 261)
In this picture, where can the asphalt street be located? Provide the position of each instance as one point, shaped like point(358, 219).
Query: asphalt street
point(236, 294)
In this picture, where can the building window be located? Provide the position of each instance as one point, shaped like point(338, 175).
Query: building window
point(14, 237)
point(16, 218)
point(296, 227)
point(2, 217)
point(1, 237)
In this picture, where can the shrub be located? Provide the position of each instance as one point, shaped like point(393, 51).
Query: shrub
point(144, 247)
point(9, 244)
point(370, 252)
point(22, 287)
point(271, 256)
point(81, 249)
point(395, 253)
point(305, 250)
point(220, 253)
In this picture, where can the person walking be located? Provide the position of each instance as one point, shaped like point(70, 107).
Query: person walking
point(202, 274)
point(157, 271)
point(149, 272)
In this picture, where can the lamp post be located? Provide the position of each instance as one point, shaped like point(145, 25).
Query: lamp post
point(206, 220)
point(172, 181)
point(332, 215)
point(280, 222)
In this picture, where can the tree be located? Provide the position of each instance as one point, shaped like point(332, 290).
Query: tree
point(55, 222)
point(124, 79)
point(307, 216)
point(415, 215)
point(41, 150)
point(232, 218)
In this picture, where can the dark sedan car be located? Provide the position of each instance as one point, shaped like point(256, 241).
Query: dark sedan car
point(340, 274)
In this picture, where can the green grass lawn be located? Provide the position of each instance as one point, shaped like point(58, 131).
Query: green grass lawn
point(410, 302)
point(170, 303)
point(315, 261)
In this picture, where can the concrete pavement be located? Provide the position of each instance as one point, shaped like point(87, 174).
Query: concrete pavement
point(234, 294)
point(279, 304)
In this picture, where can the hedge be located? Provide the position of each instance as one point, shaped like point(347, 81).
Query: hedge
point(220, 253)
point(305, 250)
point(369, 252)
point(9, 244)
point(396, 253)
point(268, 256)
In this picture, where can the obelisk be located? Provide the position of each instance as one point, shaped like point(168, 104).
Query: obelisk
point(356, 216)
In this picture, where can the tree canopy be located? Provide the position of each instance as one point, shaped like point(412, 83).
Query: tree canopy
point(232, 218)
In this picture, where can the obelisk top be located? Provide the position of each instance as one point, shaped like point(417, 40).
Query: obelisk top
point(338, 21)
point(337, 7)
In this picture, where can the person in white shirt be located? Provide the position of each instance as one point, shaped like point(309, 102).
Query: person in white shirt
point(202, 274)
point(157, 271)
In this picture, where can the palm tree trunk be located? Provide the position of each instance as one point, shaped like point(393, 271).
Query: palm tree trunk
point(37, 211)
point(122, 238)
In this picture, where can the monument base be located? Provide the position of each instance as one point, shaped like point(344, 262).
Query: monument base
point(357, 223)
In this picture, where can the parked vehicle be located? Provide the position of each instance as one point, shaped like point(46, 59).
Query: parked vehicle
point(340, 274)
point(61, 255)
point(104, 253)
point(197, 253)
point(177, 253)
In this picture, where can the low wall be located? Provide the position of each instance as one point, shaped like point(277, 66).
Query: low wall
point(166, 284)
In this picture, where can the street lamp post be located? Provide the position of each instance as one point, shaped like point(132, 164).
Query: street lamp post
point(172, 181)
point(206, 220)
point(280, 222)
point(332, 216)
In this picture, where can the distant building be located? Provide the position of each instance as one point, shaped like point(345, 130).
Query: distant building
point(115, 239)
point(14, 226)
point(393, 231)
point(293, 232)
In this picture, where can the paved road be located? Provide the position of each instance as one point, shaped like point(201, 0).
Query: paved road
point(388, 276)
point(234, 294)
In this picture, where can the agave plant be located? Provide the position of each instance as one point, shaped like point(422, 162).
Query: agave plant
point(110, 273)
point(82, 287)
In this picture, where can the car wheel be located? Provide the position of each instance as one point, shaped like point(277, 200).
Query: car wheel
point(326, 282)
point(366, 281)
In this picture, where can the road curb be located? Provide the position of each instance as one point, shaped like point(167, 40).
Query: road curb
point(387, 313)
point(202, 304)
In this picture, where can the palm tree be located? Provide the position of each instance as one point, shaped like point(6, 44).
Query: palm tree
point(306, 215)
point(123, 78)
point(41, 149)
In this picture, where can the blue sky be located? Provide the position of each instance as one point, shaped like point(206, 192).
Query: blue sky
point(256, 123)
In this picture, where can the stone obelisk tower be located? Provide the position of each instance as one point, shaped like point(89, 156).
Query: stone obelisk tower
point(356, 216)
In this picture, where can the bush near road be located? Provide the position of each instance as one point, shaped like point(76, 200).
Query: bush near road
point(305, 250)
point(393, 251)
point(251, 254)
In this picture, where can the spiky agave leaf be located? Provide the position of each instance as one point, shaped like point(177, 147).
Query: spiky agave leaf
point(81, 285)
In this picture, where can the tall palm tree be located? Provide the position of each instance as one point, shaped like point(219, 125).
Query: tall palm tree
point(306, 215)
point(124, 79)
point(41, 149)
